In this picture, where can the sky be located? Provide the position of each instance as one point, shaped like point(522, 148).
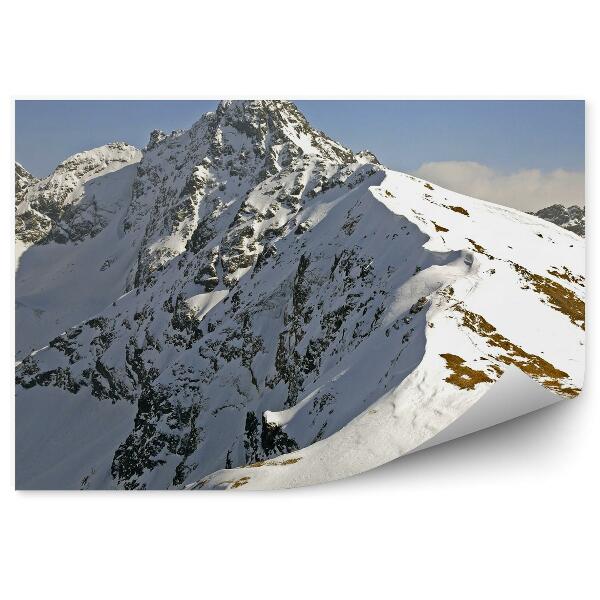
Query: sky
point(526, 154)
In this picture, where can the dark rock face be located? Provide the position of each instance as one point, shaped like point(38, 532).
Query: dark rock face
point(30, 225)
point(23, 179)
point(198, 185)
point(216, 210)
point(571, 218)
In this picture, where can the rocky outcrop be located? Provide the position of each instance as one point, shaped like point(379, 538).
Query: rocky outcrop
point(277, 286)
point(571, 218)
point(62, 207)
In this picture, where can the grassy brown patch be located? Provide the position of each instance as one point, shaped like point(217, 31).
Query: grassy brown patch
point(531, 364)
point(240, 482)
point(439, 228)
point(275, 463)
point(462, 376)
point(567, 275)
point(389, 194)
point(289, 461)
point(496, 369)
point(428, 186)
point(479, 248)
point(457, 209)
point(558, 297)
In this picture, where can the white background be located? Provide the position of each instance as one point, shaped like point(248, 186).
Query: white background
point(507, 513)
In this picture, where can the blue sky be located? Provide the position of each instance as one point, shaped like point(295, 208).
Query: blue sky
point(526, 154)
point(504, 135)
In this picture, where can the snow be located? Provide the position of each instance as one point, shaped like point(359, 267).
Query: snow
point(59, 443)
point(422, 406)
point(60, 285)
point(329, 337)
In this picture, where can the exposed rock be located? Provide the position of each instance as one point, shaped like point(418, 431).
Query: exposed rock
point(571, 218)
point(267, 288)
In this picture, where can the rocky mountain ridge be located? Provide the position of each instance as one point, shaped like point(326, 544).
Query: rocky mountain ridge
point(257, 290)
point(61, 207)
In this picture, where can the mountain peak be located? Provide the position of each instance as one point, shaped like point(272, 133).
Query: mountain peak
point(279, 123)
point(56, 207)
point(249, 106)
point(23, 179)
point(251, 288)
point(21, 171)
point(101, 156)
point(571, 218)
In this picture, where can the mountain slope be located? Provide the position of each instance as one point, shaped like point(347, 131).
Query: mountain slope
point(72, 257)
point(59, 207)
point(283, 295)
point(532, 322)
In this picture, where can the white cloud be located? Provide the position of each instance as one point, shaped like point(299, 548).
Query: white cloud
point(527, 190)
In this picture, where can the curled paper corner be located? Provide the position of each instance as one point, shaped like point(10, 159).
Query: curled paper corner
point(514, 395)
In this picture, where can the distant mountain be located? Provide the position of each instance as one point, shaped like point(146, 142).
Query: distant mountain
point(60, 207)
point(571, 218)
point(250, 304)
point(23, 180)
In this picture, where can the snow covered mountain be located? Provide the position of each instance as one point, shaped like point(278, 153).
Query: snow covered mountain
point(250, 292)
point(571, 218)
point(58, 283)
